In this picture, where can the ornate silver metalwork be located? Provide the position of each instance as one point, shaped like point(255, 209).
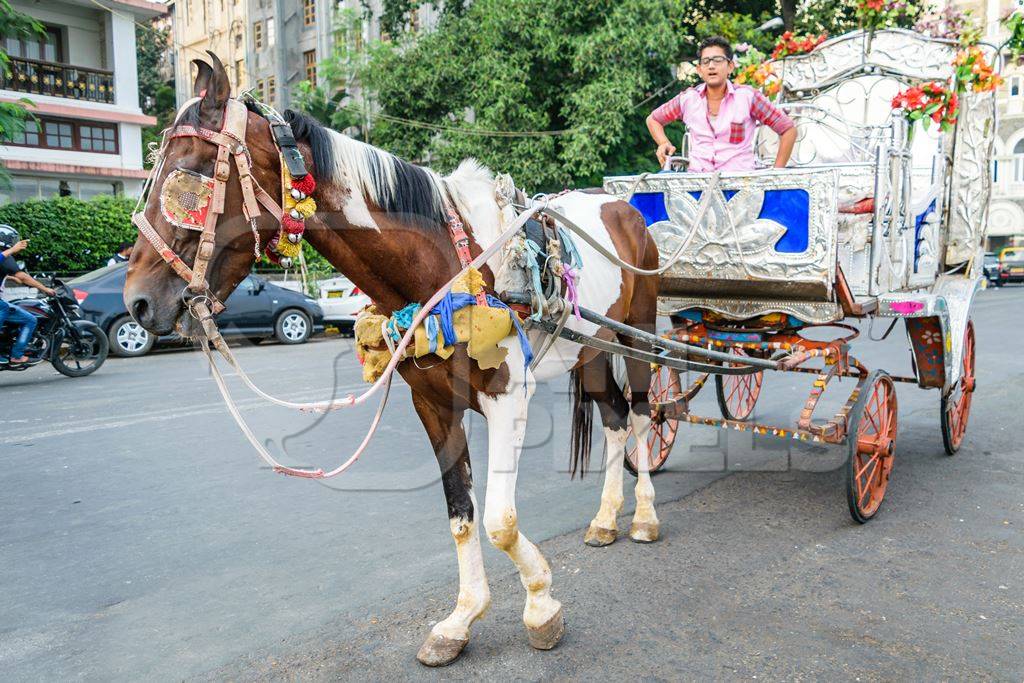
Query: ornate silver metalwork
point(896, 51)
point(732, 251)
point(972, 180)
point(808, 311)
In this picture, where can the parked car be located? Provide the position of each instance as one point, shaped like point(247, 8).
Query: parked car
point(341, 302)
point(256, 310)
point(991, 268)
point(1011, 266)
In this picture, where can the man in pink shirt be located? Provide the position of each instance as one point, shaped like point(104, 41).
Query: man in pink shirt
point(720, 117)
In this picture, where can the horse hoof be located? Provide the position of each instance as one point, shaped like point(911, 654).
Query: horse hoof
point(597, 536)
point(643, 532)
point(440, 651)
point(547, 636)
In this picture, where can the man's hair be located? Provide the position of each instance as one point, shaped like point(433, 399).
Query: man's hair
point(124, 245)
point(715, 41)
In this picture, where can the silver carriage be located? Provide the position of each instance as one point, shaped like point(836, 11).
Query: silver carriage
point(866, 222)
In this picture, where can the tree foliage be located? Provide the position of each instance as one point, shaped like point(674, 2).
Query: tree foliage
point(69, 234)
point(592, 69)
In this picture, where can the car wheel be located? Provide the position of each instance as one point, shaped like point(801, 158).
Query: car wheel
point(129, 339)
point(293, 327)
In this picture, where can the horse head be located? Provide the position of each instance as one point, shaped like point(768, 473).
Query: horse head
point(183, 195)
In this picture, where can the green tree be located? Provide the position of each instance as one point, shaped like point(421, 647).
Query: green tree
point(13, 114)
point(156, 94)
point(590, 70)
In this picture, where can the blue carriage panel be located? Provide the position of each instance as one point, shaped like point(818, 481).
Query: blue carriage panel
point(651, 205)
point(788, 208)
point(918, 225)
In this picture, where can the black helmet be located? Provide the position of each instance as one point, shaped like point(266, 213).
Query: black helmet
point(8, 236)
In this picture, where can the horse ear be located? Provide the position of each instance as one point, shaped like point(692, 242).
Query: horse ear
point(204, 74)
point(214, 91)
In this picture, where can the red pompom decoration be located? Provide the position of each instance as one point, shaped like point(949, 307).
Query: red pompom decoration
point(292, 226)
point(305, 184)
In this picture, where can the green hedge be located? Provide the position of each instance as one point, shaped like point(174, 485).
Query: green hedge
point(70, 234)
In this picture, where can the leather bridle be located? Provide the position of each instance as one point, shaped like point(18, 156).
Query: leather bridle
point(230, 143)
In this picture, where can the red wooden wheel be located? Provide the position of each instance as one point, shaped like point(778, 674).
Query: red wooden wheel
point(664, 388)
point(956, 405)
point(872, 444)
point(737, 394)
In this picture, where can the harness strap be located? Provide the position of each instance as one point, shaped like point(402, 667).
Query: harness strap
point(168, 255)
point(461, 241)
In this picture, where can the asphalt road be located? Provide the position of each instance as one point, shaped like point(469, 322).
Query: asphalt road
point(141, 539)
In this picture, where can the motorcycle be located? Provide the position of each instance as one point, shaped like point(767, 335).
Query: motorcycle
point(75, 347)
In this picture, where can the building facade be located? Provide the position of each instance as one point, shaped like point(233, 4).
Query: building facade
point(218, 26)
point(82, 79)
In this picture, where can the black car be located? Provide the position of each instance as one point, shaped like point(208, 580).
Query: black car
point(256, 310)
point(991, 268)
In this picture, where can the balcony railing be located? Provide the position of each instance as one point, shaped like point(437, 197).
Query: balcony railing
point(59, 80)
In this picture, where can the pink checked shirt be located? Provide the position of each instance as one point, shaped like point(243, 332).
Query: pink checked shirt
point(728, 143)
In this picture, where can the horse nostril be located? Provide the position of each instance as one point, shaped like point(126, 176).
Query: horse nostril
point(141, 311)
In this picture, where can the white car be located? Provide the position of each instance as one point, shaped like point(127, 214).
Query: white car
point(341, 301)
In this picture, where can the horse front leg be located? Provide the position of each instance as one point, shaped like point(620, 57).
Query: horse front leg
point(506, 427)
point(448, 437)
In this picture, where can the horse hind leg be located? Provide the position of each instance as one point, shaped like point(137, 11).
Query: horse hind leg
point(645, 526)
point(506, 427)
point(449, 636)
point(599, 384)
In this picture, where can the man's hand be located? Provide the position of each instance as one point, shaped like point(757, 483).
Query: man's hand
point(18, 247)
point(665, 150)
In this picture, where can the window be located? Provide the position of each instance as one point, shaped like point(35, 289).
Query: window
point(309, 60)
point(1015, 86)
point(308, 12)
point(98, 139)
point(29, 137)
point(1018, 161)
point(45, 47)
point(271, 88)
point(239, 70)
point(238, 41)
point(59, 135)
point(27, 187)
point(82, 136)
point(257, 35)
point(270, 32)
point(261, 89)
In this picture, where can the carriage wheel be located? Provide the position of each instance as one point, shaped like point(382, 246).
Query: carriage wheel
point(664, 387)
point(737, 394)
point(872, 444)
point(956, 405)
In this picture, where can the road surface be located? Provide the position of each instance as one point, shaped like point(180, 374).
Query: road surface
point(140, 538)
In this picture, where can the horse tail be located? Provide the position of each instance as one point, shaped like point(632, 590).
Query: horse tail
point(582, 424)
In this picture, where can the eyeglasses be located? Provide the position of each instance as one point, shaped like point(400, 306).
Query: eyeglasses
point(717, 60)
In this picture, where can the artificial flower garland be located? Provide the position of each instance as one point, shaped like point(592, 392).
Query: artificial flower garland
point(789, 44)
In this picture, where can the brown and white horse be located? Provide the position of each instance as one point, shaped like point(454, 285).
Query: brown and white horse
point(382, 222)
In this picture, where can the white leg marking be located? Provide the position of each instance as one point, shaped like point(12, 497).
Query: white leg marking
point(506, 427)
point(474, 594)
point(611, 494)
point(645, 519)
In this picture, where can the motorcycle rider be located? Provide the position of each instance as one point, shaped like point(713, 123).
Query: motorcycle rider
point(11, 243)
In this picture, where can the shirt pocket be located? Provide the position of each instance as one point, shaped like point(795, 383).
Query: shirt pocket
point(737, 131)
